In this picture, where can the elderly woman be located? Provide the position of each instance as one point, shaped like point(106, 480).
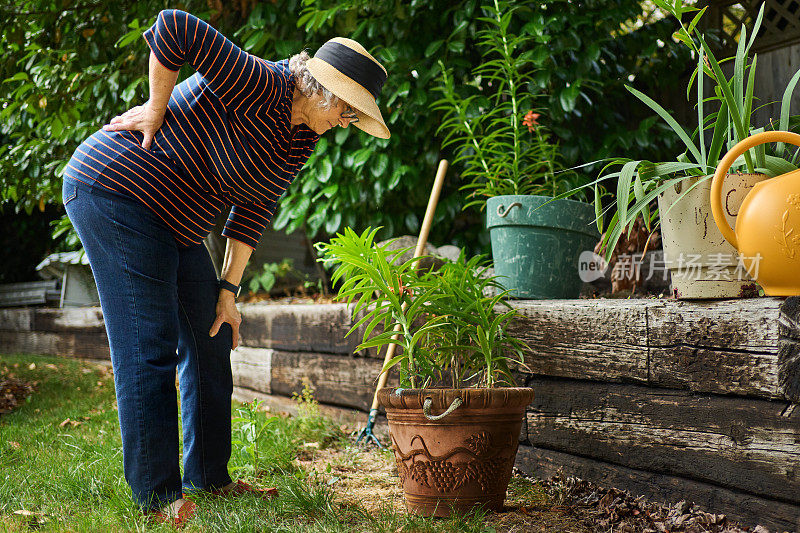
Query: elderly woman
point(143, 191)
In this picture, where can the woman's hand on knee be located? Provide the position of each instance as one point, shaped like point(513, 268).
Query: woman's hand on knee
point(227, 312)
point(144, 118)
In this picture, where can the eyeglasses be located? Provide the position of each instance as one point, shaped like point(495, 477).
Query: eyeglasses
point(350, 114)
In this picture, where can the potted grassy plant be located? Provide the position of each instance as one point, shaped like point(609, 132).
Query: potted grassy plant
point(512, 166)
point(701, 262)
point(456, 417)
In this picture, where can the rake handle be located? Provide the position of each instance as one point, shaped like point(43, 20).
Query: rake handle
point(422, 240)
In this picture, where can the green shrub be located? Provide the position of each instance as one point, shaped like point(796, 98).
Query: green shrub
point(72, 68)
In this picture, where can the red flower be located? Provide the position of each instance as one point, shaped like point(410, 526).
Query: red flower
point(403, 290)
point(530, 120)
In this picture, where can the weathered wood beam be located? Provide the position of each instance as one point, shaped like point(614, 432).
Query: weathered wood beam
point(789, 349)
point(722, 346)
point(748, 445)
point(745, 347)
point(71, 332)
point(747, 509)
point(584, 338)
point(351, 417)
point(719, 346)
point(71, 319)
point(252, 368)
point(16, 318)
point(298, 328)
point(65, 344)
point(345, 381)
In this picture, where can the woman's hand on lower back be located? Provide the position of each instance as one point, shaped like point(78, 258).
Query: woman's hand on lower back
point(144, 118)
point(227, 312)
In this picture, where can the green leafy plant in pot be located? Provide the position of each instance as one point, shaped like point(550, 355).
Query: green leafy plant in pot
point(701, 263)
point(513, 165)
point(456, 417)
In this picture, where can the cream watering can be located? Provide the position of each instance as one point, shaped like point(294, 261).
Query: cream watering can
point(767, 232)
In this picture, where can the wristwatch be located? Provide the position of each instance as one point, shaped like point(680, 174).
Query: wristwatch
point(228, 286)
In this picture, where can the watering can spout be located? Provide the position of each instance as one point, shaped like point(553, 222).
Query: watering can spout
point(767, 234)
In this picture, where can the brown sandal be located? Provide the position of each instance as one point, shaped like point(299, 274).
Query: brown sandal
point(185, 513)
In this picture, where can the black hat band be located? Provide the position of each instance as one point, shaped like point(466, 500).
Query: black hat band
point(355, 66)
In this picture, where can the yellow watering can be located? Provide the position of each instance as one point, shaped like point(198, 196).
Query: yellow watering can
point(768, 224)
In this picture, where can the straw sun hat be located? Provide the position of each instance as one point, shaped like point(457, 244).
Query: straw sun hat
point(348, 71)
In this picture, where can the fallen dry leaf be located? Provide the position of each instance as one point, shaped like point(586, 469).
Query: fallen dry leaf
point(51, 366)
point(32, 366)
point(610, 509)
point(70, 422)
point(12, 392)
point(34, 521)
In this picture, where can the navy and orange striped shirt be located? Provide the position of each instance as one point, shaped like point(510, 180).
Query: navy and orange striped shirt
point(227, 138)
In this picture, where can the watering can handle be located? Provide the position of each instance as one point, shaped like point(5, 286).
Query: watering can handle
point(725, 165)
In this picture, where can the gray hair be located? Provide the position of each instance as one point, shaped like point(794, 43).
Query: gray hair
point(307, 83)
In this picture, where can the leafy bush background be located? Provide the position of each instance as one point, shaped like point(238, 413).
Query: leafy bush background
point(71, 65)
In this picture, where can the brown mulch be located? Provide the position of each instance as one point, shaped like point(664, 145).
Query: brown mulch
point(13, 391)
point(366, 477)
point(610, 509)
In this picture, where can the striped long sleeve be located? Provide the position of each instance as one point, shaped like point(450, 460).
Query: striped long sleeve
point(226, 139)
point(178, 37)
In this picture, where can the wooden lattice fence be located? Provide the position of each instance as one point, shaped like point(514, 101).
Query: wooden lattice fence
point(777, 46)
point(780, 26)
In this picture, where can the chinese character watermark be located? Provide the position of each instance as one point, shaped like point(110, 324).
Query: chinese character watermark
point(715, 266)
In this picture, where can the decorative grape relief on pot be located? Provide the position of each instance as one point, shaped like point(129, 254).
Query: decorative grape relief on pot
point(789, 240)
point(478, 461)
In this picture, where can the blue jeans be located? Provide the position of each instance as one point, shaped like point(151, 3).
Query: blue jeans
point(159, 302)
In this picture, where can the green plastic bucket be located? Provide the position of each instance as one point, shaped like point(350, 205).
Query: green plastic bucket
point(536, 252)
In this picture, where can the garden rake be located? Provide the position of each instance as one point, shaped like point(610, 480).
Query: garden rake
point(366, 434)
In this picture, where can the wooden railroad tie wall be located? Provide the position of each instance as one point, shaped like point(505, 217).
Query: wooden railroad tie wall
point(71, 331)
point(674, 400)
point(671, 399)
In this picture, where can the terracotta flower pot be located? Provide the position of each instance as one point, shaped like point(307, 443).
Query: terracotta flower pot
point(459, 460)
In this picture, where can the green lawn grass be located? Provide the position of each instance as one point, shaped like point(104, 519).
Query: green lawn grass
point(61, 459)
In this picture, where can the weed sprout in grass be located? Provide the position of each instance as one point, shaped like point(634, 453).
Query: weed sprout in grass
point(265, 444)
point(310, 425)
point(247, 431)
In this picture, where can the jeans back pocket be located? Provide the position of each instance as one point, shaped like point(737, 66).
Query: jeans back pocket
point(69, 191)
